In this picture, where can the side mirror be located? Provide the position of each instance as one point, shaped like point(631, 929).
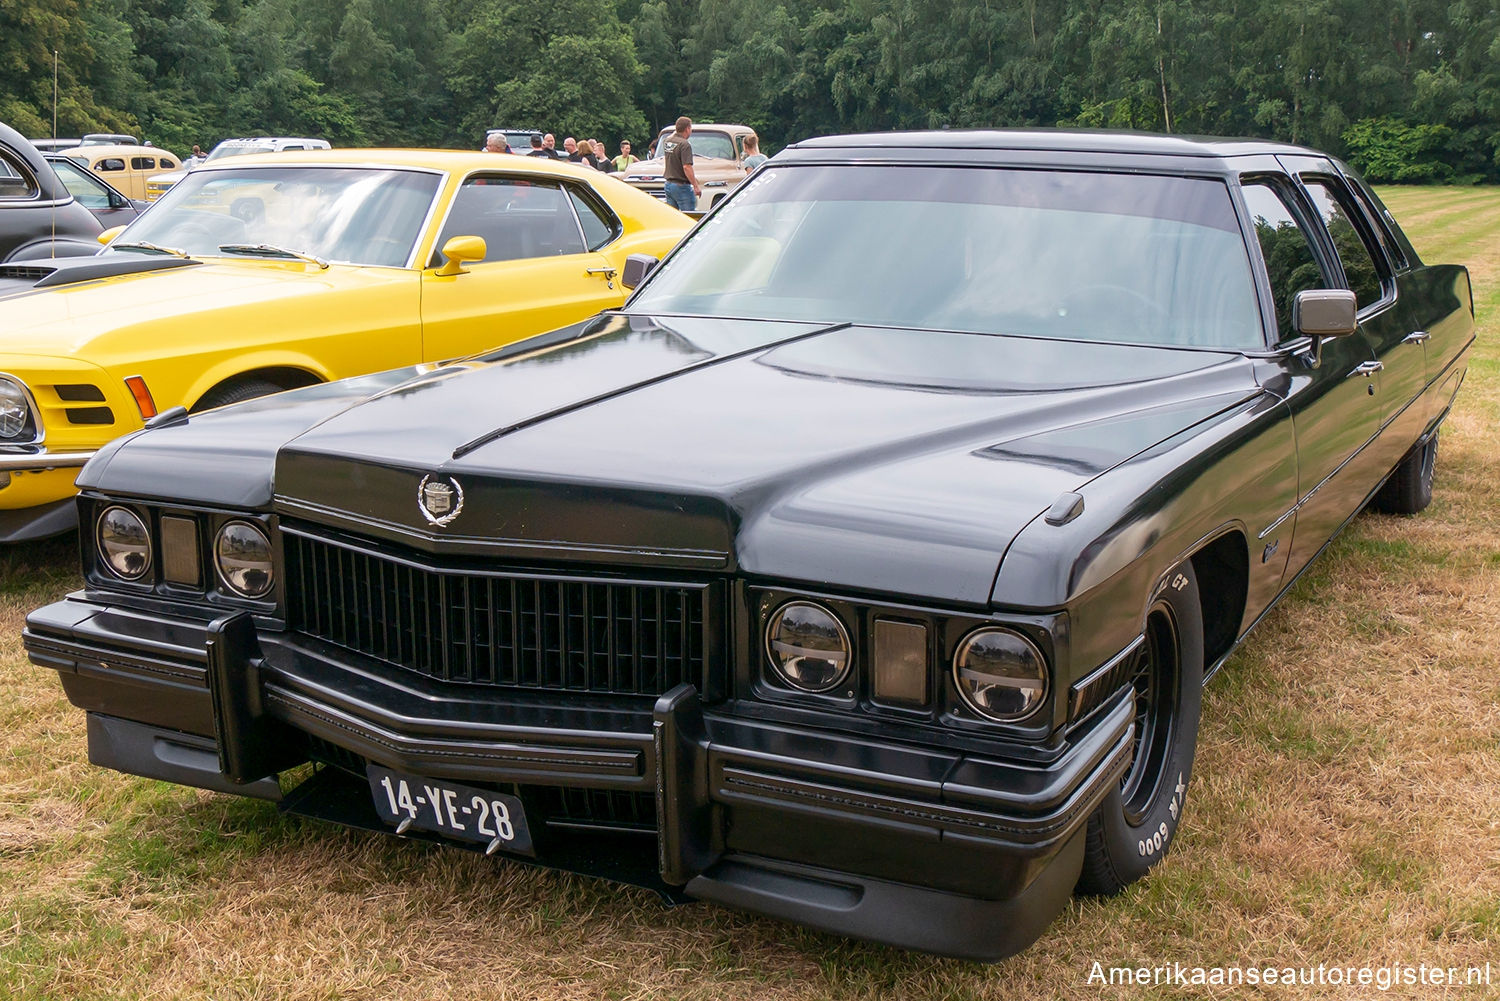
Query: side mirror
point(1322, 313)
point(109, 234)
point(637, 267)
point(1325, 312)
point(461, 250)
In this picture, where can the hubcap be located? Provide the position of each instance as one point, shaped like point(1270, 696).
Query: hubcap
point(1155, 681)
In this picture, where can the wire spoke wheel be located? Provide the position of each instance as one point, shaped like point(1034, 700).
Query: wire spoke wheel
point(1155, 680)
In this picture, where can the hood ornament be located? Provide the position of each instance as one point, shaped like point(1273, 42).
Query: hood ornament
point(440, 499)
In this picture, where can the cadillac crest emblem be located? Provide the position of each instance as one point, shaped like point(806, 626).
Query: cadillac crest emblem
point(440, 499)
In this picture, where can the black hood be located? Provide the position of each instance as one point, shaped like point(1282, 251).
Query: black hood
point(868, 458)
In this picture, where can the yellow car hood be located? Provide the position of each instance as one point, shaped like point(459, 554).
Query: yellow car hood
point(73, 319)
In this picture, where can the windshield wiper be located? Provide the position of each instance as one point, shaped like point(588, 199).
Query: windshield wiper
point(150, 248)
point(272, 250)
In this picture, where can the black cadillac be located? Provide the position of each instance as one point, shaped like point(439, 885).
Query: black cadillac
point(865, 582)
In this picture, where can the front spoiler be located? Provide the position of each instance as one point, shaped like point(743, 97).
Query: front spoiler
point(914, 846)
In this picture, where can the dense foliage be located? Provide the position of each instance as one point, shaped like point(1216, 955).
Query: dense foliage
point(1408, 89)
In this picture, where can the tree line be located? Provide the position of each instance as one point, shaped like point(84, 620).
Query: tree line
point(1407, 90)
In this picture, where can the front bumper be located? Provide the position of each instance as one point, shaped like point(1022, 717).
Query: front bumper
point(916, 846)
point(37, 493)
point(42, 460)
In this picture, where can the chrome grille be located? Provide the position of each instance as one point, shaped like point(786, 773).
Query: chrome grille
point(498, 628)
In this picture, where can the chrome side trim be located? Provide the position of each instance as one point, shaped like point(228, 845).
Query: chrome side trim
point(37, 461)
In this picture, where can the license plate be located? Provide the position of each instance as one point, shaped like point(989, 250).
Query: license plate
point(461, 812)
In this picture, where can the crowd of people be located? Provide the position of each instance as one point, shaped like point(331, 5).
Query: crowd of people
point(589, 152)
point(682, 188)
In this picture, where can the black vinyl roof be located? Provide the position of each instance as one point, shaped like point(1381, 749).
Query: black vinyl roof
point(1058, 140)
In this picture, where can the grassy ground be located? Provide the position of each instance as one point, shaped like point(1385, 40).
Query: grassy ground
point(1345, 811)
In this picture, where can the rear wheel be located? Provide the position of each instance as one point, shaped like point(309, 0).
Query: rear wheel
point(1130, 831)
point(236, 391)
point(1409, 489)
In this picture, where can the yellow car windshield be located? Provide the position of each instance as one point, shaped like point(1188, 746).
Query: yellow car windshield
point(349, 215)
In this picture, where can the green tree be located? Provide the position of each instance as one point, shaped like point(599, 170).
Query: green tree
point(562, 65)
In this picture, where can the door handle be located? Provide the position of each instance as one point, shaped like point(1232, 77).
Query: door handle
point(1366, 369)
point(607, 273)
point(1417, 337)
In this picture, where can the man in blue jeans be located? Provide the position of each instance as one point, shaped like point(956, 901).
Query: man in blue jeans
point(681, 185)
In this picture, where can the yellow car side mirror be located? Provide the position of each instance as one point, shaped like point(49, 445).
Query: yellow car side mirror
point(459, 251)
point(109, 234)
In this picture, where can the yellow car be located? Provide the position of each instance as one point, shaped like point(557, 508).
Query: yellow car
point(266, 273)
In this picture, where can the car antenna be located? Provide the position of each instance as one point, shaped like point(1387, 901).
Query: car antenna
point(54, 136)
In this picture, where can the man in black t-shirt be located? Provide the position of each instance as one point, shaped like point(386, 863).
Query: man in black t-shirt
point(681, 184)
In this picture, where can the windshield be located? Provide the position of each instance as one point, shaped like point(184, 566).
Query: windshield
point(352, 215)
point(221, 151)
point(1045, 253)
point(717, 144)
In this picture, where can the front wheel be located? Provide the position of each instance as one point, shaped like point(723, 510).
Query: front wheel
point(1130, 831)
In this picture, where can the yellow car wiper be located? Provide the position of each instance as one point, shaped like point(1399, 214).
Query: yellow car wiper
point(149, 247)
point(272, 250)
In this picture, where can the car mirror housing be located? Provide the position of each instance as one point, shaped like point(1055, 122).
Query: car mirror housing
point(107, 237)
point(461, 250)
point(1325, 312)
point(637, 267)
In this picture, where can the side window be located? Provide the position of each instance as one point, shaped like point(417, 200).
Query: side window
point(15, 181)
point(517, 219)
point(1357, 257)
point(1377, 221)
point(598, 227)
point(168, 163)
point(1291, 264)
point(81, 186)
point(143, 163)
point(109, 164)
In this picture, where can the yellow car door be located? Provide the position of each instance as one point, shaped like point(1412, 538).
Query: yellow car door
point(534, 272)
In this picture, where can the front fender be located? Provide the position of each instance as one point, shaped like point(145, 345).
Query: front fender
point(244, 364)
point(46, 247)
point(1236, 472)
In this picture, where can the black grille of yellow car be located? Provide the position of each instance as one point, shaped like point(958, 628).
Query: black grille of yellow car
point(90, 415)
point(506, 630)
point(79, 393)
point(29, 274)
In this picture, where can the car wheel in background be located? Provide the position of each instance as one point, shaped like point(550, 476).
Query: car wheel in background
point(1131, 830)
point(235, 391)
point(1409, 489)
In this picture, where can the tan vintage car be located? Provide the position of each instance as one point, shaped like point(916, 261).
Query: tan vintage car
point(718, 160)
point(125, 167)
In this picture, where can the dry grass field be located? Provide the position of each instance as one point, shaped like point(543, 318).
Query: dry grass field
point(1345, 811)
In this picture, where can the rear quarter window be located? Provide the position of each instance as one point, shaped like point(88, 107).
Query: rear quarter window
point(16, 181)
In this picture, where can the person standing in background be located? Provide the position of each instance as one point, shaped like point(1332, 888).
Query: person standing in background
point(600, 160)
point(680, 182)
point(753, 156)
point(625, 159)
point(495, 143)
point(197, 158)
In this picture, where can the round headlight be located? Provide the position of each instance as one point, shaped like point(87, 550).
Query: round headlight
point(242, 553)
point(1001, 675)
point(124, 543)
point(15, 413)
point(808, 646)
